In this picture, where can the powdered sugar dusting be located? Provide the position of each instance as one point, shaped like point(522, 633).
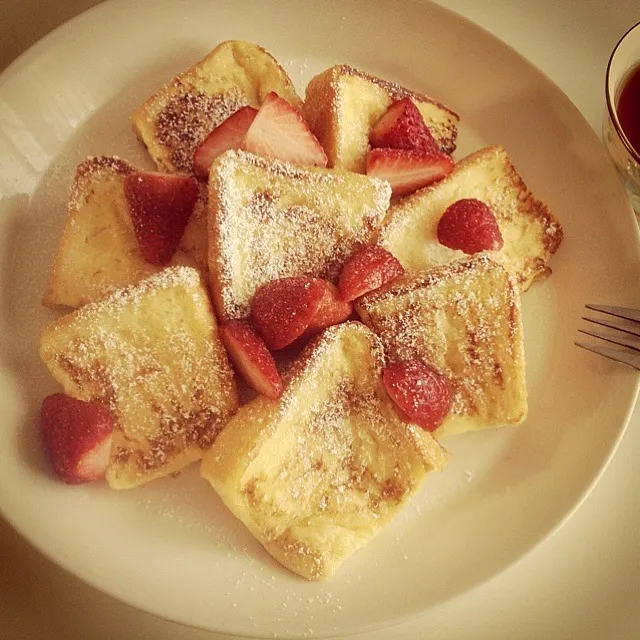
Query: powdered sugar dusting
point(147, 352)
point(463, 318)
point(344, 461)
point(274, 220)
point(166, 279)
point(188, 117)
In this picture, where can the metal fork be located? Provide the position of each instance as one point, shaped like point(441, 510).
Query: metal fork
point(626, 325)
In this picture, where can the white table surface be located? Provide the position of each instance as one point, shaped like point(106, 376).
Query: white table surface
point(583, 583)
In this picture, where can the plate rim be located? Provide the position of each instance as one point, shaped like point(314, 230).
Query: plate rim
point(15, 68)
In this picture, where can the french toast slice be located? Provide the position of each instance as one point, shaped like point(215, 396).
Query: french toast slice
point(464, 319)
point(194, 239)
point(343, 103)
point(316, 474)
point(151, 353)
point(174, 121)
point(269, 220)
point(98, 252)
point(530, 232)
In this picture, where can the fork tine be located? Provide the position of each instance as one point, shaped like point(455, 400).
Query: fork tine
point(620, 312)
point(619, 324)
point(632, 342)
point(626, 357)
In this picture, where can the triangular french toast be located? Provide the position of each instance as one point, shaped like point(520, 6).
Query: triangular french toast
point(98, 251)
point(464, 319)
point(150, 353)
point(531, 233)
point(316, 474)
point(175, 120)
point(270, 220)
point(342, 104)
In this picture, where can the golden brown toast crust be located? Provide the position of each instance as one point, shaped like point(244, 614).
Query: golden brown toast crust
point(174, 121)
point(98, 251)
point(464, 318)
point(530, 231)
point(432, 455)
point(397, 92)
point(538, 211)
point(95, 169)
point(326, 112)
point(317, 473)
point(270, 219)
point(152, 354)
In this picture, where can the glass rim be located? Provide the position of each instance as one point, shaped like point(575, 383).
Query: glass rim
point(613, 115)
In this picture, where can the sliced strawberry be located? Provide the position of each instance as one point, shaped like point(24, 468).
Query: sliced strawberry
point(251, 357)
point(420, 391)
point(227, 135)
point(281, 310)
point(367, 269)
point(280, 132)
point(160, 206)
point(77, 436)
point(402, 127)
point(331, 310)
point(470, 226)
point(408, 170)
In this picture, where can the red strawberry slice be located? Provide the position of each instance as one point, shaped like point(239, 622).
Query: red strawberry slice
point(281, 310)
point(331, 310)
point(402, 127)
point(77, 436)
point(280, 132)
point(227, 135)
point(367, 269)
point(470, 226)
point(408, 170)
point(160, 206)
point(251, 357)
point(420, 391)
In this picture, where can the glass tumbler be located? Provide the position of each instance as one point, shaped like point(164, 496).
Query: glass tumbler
point(625, 59)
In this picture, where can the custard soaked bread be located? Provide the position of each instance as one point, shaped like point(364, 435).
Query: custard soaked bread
point(151, 354)
point(174, 121)
point(194, 239)
point(316, 474)
point(98, 251)
point(342, 104)
point(270, 220)
point(464, 319)
point(531, 234)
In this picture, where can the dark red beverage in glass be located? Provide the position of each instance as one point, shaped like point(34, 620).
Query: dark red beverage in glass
point(629, 107)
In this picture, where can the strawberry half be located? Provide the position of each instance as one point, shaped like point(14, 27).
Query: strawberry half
point(160, 206)
point(402, 127)
point(331, 310)
point(280, 132)
point(281, 310)
point(420, 391)
point(469, 226)
point(77, 436)
point(367, 269)
point(408, 170)
point(251, 357)
point(227, 135)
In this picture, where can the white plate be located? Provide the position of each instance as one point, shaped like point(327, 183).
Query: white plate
point(171, 548)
